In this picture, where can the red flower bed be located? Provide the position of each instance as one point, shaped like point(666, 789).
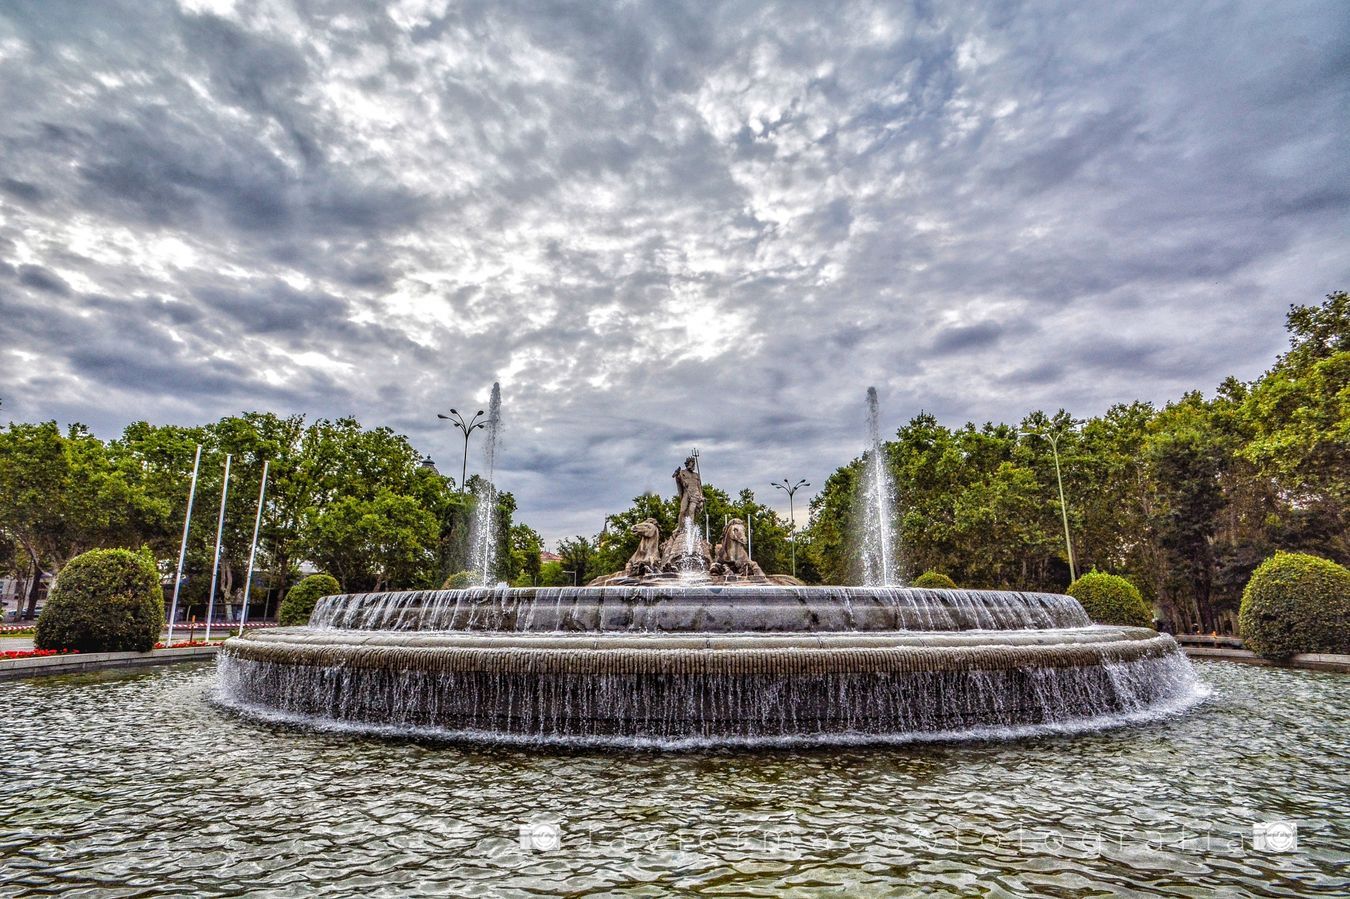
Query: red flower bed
point(181, 645)
point(36, 653)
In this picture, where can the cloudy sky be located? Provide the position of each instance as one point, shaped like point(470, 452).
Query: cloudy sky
point(660, 225)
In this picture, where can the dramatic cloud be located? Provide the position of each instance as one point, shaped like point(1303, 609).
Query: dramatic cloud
point(659, 224)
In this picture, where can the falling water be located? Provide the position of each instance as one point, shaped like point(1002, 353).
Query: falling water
point(677, 663)
point(676, 608)
point(878, 519)
point(483, 553)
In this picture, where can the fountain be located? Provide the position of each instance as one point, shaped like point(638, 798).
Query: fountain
point(691, 645)
point(483, 533)
point(878, 531)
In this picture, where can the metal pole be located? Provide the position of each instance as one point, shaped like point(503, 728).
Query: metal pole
point(464, 468)
point(253, 552)
point(1063, 508)
point(791, 490)
point(749, 535)
point(182, 549)
point(215, 567)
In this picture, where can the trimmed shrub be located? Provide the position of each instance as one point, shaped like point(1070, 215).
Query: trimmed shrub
point(1296, 603)
point(300, 599)
point(105, 600)
point(459, 580)
point(1110, 599)
point(934, 580)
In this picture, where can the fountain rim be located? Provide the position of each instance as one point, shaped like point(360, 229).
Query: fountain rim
point(511, 655)
point(668, 589)
point(713, 640)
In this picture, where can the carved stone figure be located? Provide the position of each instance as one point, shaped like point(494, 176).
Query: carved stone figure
point(647, 557)
point(691, 493)
point(733, 554)
point(734, 548)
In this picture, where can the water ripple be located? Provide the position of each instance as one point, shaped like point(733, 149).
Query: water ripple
point(136, 785)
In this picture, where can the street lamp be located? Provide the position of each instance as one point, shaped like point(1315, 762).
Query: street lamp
point(792, 513)
point(1053, 438)
point(468, 429)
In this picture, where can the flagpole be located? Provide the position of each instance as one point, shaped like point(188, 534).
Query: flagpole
point(253, 552)
point(182, 549)
point(215, 567)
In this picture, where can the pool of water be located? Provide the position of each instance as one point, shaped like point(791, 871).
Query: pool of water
point(137, 785)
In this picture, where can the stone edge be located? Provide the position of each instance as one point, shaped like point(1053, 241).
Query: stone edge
point(42, 666)
point(1312, 661)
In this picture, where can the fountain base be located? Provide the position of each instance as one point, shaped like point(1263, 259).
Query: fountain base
point(681, 686)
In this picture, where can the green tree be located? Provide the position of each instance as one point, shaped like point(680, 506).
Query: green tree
point(1299, 419)
point(383, 543)
point(526, 546)
point(578, 557)
point(62, 494)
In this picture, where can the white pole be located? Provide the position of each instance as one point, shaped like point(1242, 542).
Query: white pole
point(182, 549)
point(749, 534)
point(215, 567)
point(252, 553)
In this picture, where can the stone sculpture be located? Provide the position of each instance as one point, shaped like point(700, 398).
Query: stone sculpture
point(734, 548)
point(690, 486)
point(647, 558)
point(733, 553)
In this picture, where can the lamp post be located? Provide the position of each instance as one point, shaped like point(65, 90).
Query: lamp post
point(1053, 438)
point(468, 428)
point(792, 513)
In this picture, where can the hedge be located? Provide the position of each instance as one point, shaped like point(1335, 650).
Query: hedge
point(300, 599)
point(459, 580)
point(934, 580)
point(1296, 603)
point(104, 600)
point(1110, 599)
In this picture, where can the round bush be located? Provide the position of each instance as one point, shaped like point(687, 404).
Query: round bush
point(934, 580)
point(459, 580)
point(1296, 603)
point(105, 600)
point(300, 599)
point(1110, 599)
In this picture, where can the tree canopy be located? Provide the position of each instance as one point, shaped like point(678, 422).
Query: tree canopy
point(358, 502)
point(1185, 499)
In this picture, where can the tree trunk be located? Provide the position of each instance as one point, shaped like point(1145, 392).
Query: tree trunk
point(34, 584)
point(227, 589)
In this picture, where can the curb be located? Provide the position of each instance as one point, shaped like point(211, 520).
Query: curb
point(1312, 661)
point(14, 669)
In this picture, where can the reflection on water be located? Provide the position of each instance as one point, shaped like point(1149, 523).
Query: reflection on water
point(136, 785)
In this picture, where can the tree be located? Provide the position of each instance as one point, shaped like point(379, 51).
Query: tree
point(578, 557)
point(526, 547)
point(383, 543)
point(62, 494)
point(1299, 419)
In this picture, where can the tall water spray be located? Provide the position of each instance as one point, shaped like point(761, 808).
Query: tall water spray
point(483, 535)
point(878, 519)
